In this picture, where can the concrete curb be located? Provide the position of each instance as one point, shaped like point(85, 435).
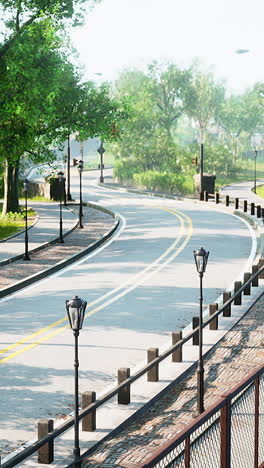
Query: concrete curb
point(64, 263)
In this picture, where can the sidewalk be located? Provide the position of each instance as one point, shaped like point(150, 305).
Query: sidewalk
point(96, 225)
point(44, 230)
point(232, 359)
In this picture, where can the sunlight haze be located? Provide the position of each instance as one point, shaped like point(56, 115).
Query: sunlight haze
point(131, 33)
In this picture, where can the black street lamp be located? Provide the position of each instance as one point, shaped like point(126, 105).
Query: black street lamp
point(101, 151)
point(201, 169)
point(26, 184)
point(76, 310)
point(255, 172)
point(80, 169)
point(61, 185)
point(68, 195)
point(201, 258)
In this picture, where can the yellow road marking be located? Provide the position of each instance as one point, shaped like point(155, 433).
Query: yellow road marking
point(139, 281)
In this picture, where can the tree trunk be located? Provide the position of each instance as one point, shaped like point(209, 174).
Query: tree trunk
point(11, 200)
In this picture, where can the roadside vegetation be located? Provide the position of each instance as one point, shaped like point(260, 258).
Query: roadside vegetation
point(175, 110)
point(12, 223)
point(153, 122)
point(260, 191)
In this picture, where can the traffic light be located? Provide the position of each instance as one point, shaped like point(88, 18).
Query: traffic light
point(194, 160)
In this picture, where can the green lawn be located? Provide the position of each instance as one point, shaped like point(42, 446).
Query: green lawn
point(260, 191)
point(13, 223)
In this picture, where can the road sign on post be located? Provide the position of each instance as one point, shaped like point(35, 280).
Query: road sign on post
point(101, 151)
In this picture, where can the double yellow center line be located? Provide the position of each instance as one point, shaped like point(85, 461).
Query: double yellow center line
point(181, 240)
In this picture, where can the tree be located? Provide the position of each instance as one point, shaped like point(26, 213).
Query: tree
point(32, 71)
point(17, 16)
point(240, 117)
point(202, 102)
point(86, 110)
point(168, 89)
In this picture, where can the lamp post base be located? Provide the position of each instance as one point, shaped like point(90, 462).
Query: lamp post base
point(197, 412)
point(101, 180)
point(26, 257)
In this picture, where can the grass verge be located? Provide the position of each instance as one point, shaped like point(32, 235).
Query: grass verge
point(12, 223)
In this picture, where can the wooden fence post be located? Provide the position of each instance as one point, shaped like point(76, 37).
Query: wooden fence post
point(45, 453)
point(260, 264)
point(227, 309)
point(247, 290)
point(153, 374)
point(238, 299)
point(255, 280)
point(176, 356)
point(89, 421)
point(123, 396)
point(245, 206)
point(214, 324)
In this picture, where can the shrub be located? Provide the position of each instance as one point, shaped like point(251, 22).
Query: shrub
point(164, 182)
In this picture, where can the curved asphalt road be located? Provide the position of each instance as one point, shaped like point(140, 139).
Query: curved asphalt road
point(139, 288)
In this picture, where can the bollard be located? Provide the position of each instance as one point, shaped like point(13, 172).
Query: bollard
point(236, 203)
point(245, 206)
point(217, 198)
point(205, 195)
point(45, 453)
point(153, 374)
point(252, 208)
point(123, 396)
point(227, 309)
point(247, 290)
point(214, 324)
point(201, 196)
point(260, 264)
point(255, 280)
point(176, 356)
point(258, 211)
point(262, 212)
point(227, 200)
point(89, 421)
point(238, 299)
point(195, 324)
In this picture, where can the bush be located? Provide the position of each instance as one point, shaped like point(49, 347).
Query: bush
point(125, 171)
point(163, 182)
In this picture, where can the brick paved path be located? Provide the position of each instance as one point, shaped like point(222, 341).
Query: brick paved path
point(95, 224)
point(235, 356)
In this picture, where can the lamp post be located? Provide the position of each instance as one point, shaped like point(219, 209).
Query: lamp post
point(80, 169)
point(68, 196)
point(101, 151)
point(26, 184)
point(76, 309)
point(61, 180)
point(255, 171)
point(201, 258)
point(201, 168)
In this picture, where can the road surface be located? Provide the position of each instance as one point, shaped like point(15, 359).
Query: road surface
point(140, 287)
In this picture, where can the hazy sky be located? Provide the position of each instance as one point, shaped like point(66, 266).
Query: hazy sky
point(124, 33)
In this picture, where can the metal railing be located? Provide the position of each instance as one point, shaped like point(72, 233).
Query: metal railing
point(122, 390)
point(229, 433)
